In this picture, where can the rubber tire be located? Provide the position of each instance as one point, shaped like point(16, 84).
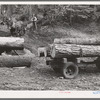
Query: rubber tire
point(70, 66)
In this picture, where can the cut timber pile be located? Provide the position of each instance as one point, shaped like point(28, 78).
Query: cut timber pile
point(82, 41)
point(8, 44)
point(74, 50)
point(75, 47)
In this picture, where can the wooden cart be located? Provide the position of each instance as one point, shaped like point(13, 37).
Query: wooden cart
point(66, 61)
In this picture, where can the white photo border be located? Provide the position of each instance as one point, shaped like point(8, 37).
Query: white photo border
point(50, 94)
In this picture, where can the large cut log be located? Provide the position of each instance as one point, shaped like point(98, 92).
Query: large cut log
point(73, 50)
point(11, 42)
point(83, 41)
point(16, 60)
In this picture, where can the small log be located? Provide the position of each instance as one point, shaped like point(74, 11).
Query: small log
point(82, 41)
point(16, 60)
point(72, 50)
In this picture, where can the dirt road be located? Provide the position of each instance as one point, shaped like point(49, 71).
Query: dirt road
point(42, 77)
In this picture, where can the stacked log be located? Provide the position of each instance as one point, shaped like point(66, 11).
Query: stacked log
point(16, 60)
point(11, 42)
point(82, 41)
point(14, 43)
point(75, 47)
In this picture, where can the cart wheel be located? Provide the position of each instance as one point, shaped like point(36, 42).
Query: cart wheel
point(97, 62)
point(70, 70)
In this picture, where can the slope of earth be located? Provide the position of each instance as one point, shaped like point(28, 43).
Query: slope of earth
point(42, 77)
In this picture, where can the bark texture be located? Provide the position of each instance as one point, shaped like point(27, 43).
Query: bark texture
point(83, 41)
point(11, 42)
point(73, 50)
point(16, 60)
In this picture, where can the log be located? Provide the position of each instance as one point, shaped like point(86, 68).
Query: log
point(73, 50)
point(82, 41)
point(16, 60)
point(11, 42)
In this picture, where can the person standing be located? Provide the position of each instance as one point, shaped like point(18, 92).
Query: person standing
point(34, 20)
point(13, 28)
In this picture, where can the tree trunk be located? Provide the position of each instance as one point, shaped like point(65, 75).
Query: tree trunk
point(11, 42)
point(83, 41)
point(16, 60)
point(0, 10)
point(9, 10)
point(72, 50)
point(30, 11)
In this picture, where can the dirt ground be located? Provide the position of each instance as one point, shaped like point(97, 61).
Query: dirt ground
point(42, 77)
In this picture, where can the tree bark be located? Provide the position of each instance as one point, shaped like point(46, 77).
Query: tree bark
point(11, 42)
point(83, 41)
point(16, 60)
point(9, 10)
point(72, 50)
